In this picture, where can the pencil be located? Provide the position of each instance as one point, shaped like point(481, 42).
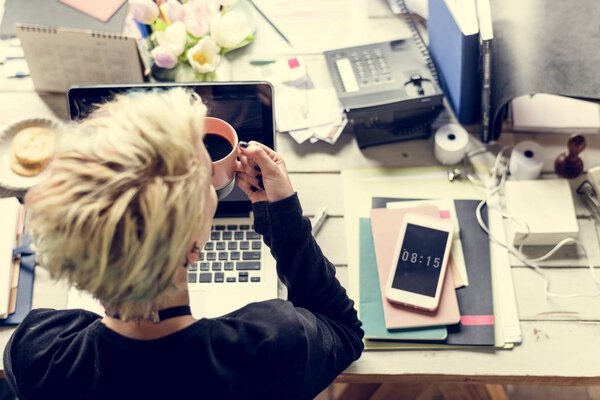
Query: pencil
point(272, 24)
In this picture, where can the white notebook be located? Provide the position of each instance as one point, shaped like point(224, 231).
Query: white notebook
point(59, 58)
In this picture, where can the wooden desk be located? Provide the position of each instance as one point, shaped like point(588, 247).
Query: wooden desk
point(561, 338)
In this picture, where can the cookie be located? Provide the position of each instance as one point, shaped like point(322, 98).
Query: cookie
point(25, 170)
point(31, 150)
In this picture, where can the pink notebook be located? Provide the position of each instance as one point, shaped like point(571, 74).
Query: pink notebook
point(386, 228)
point(99, 9)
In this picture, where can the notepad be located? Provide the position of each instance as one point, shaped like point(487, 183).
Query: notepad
point(59, 58)
point(386, 229)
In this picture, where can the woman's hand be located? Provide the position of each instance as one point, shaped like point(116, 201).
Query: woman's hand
point(261, 173)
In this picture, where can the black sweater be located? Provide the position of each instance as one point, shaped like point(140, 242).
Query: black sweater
point(269, 350)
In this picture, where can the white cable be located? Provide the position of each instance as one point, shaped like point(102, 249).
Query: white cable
point(494, 188)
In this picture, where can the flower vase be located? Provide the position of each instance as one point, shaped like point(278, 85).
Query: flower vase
point(163, 74)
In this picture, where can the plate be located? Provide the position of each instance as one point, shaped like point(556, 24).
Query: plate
point(8, 178)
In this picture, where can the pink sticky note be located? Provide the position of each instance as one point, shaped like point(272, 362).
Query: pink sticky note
point(444, 214)
point(293, 63)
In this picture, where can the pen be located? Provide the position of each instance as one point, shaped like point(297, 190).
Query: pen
point(318, 220)
point(272, 24)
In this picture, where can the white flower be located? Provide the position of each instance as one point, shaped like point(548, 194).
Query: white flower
point(174, 37)
point(164, 57)
point(173, 10)
point(144, 11)
point(204, 56)
point(197, 27)
point(197, 16)
point(230, 29)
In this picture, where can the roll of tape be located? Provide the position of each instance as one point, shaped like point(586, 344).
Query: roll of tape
point(450, 144)
point(526, 160)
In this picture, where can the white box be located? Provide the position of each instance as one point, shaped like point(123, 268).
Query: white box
point(546, 206)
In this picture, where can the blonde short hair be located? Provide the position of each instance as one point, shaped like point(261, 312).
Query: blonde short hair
point(125, 199)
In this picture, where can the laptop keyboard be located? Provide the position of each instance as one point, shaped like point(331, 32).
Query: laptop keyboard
point(231, 255)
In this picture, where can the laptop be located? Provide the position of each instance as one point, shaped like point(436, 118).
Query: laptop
point(235, 267)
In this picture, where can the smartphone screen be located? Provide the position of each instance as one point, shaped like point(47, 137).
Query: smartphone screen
point(420, 261)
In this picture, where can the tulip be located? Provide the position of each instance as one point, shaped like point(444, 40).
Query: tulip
point(174, 37)
point(204, 56)
point(173, 10)
point(230, 29)
point(144, 11)
point(197, 27)
point(197, 16)
point(164, 57)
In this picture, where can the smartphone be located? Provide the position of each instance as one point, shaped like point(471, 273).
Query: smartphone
point(420, 260)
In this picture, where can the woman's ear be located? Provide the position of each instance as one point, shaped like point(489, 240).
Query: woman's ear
point(193, 254)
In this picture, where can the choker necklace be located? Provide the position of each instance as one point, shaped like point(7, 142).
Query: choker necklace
point(165, 313)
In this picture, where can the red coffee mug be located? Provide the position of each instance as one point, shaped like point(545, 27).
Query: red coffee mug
point(224, 162)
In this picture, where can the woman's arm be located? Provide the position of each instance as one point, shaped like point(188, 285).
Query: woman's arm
point(329, 319)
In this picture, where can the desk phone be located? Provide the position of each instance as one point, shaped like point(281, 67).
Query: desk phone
point(387, 90)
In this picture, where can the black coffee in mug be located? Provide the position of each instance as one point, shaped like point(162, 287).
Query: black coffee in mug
point(217, 146)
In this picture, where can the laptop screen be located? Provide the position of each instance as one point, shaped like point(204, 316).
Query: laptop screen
point(247, 106)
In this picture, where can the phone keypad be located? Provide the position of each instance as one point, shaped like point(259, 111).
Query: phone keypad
point(370, 67)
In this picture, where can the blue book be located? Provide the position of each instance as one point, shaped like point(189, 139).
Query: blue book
point(370, 306)
point(454, 47)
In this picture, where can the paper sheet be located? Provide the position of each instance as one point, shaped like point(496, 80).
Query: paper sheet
point(502, 277)
point(101, 10)
point(317, 25)
point(550, 113)
point(300, 109)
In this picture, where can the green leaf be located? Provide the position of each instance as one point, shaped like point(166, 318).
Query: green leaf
point(244, 42)
point(159, 25)
point(191, 41)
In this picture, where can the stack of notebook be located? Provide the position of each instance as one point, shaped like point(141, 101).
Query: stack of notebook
point(465, 315)
point(16, 264)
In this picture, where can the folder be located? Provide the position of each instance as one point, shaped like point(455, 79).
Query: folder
point(454, 46)
point(10, 210)
point(25, 287)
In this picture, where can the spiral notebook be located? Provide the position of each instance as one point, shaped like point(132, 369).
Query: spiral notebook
point(59, 58)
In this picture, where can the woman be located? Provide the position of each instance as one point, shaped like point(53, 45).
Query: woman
point(114, 218)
